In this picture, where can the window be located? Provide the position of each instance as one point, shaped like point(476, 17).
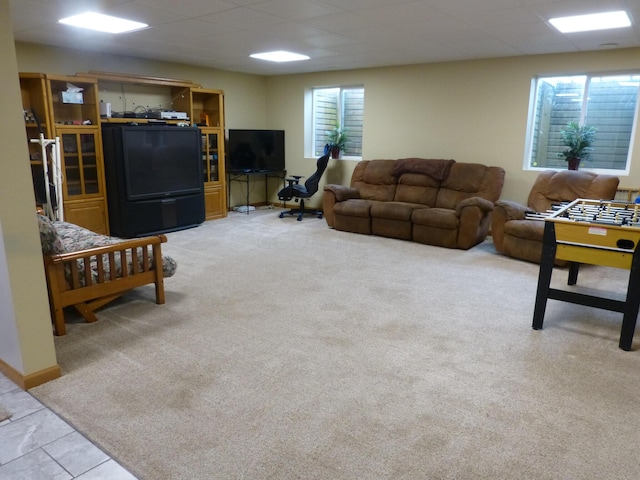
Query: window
point(337, 106)
point(608, 103)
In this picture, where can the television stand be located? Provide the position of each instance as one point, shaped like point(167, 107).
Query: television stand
point(245, 177)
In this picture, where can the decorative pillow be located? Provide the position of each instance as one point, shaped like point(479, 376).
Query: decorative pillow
point(49, 239)
point(169, 266)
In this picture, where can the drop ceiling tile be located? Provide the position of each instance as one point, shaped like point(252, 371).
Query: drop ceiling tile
point(576, 7)
point(192, 8)
point(407, 12)
point(296, 9)
point(243, 18)
point(290, 30)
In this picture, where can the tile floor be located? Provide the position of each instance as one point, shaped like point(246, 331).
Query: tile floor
point(36, 444)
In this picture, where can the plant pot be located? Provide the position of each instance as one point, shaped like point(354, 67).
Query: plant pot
point(335, 152)
point(573, 163)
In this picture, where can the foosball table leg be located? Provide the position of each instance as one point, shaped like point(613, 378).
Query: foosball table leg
point(544, 277)
point(574, 267)
point(632, 304)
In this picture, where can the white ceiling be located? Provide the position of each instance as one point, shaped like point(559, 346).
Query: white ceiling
point(336, 34)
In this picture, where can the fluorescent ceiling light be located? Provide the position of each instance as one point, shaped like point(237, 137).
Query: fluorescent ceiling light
point(595, 21)
point(279, 56)
point(102, 23)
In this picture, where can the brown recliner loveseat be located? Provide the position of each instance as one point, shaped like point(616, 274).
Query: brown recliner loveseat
point(516, 236)
point(437, 202)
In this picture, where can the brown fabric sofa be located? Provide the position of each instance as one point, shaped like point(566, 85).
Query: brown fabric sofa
point(521, 238)
point(432, 201)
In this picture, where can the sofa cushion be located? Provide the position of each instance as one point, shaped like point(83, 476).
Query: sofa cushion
point(355, 207)
point(76, 238)
point(525, 229)
point(416, 188)
point(442, 218)
point(49, 239)
point(553, 187)
point(375, 181)
point(394, 210)
point(353, 216)
point(169, 267)
point(435, 168)
point(468, 180)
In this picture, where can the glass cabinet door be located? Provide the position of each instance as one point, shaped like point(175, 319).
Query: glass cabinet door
point(80, 163)
point(210, 157)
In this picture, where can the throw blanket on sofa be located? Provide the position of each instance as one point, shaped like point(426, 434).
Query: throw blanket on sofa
point(436, 168)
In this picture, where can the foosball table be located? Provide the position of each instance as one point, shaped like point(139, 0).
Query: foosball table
point(593, 232)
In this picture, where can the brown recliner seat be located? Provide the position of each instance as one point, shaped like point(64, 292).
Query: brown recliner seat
point(517, 237)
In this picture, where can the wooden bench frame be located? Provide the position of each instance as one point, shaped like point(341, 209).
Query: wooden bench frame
point(140, 262)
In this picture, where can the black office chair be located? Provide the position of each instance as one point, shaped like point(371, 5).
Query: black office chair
point(299, 192)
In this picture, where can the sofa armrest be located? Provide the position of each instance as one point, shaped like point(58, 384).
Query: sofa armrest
point(482, 203)
point(333, 194)
point(512, 210)
point(342, 193)
point(474, 219)
point(504, 211)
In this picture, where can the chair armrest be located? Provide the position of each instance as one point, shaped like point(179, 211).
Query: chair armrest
point(293, 179)
point(505, 211)
point(512, 210)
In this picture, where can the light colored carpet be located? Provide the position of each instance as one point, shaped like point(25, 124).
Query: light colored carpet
point(288, 350)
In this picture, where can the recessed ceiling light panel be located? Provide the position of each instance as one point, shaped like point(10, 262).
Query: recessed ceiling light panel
point(595, 21)
point(102, 23)
point(279, 56)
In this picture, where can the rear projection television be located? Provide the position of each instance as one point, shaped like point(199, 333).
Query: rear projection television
point(158, 161)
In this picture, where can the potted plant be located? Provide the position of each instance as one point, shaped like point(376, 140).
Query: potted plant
point(337, 141)
point(578, 139)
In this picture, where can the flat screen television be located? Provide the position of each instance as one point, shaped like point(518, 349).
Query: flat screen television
point(255, 151)
point(156, 161)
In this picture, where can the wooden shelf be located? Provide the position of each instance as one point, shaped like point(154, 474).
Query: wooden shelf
point(140, 79)
point(142, 121)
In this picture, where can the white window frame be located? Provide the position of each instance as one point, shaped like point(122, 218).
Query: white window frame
point(310, 121)
point(533, 102)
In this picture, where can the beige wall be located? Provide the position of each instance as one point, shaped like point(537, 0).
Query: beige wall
point(473, 111)
point(26, 339)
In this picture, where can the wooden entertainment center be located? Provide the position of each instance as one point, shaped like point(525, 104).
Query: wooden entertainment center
point(76, 119)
